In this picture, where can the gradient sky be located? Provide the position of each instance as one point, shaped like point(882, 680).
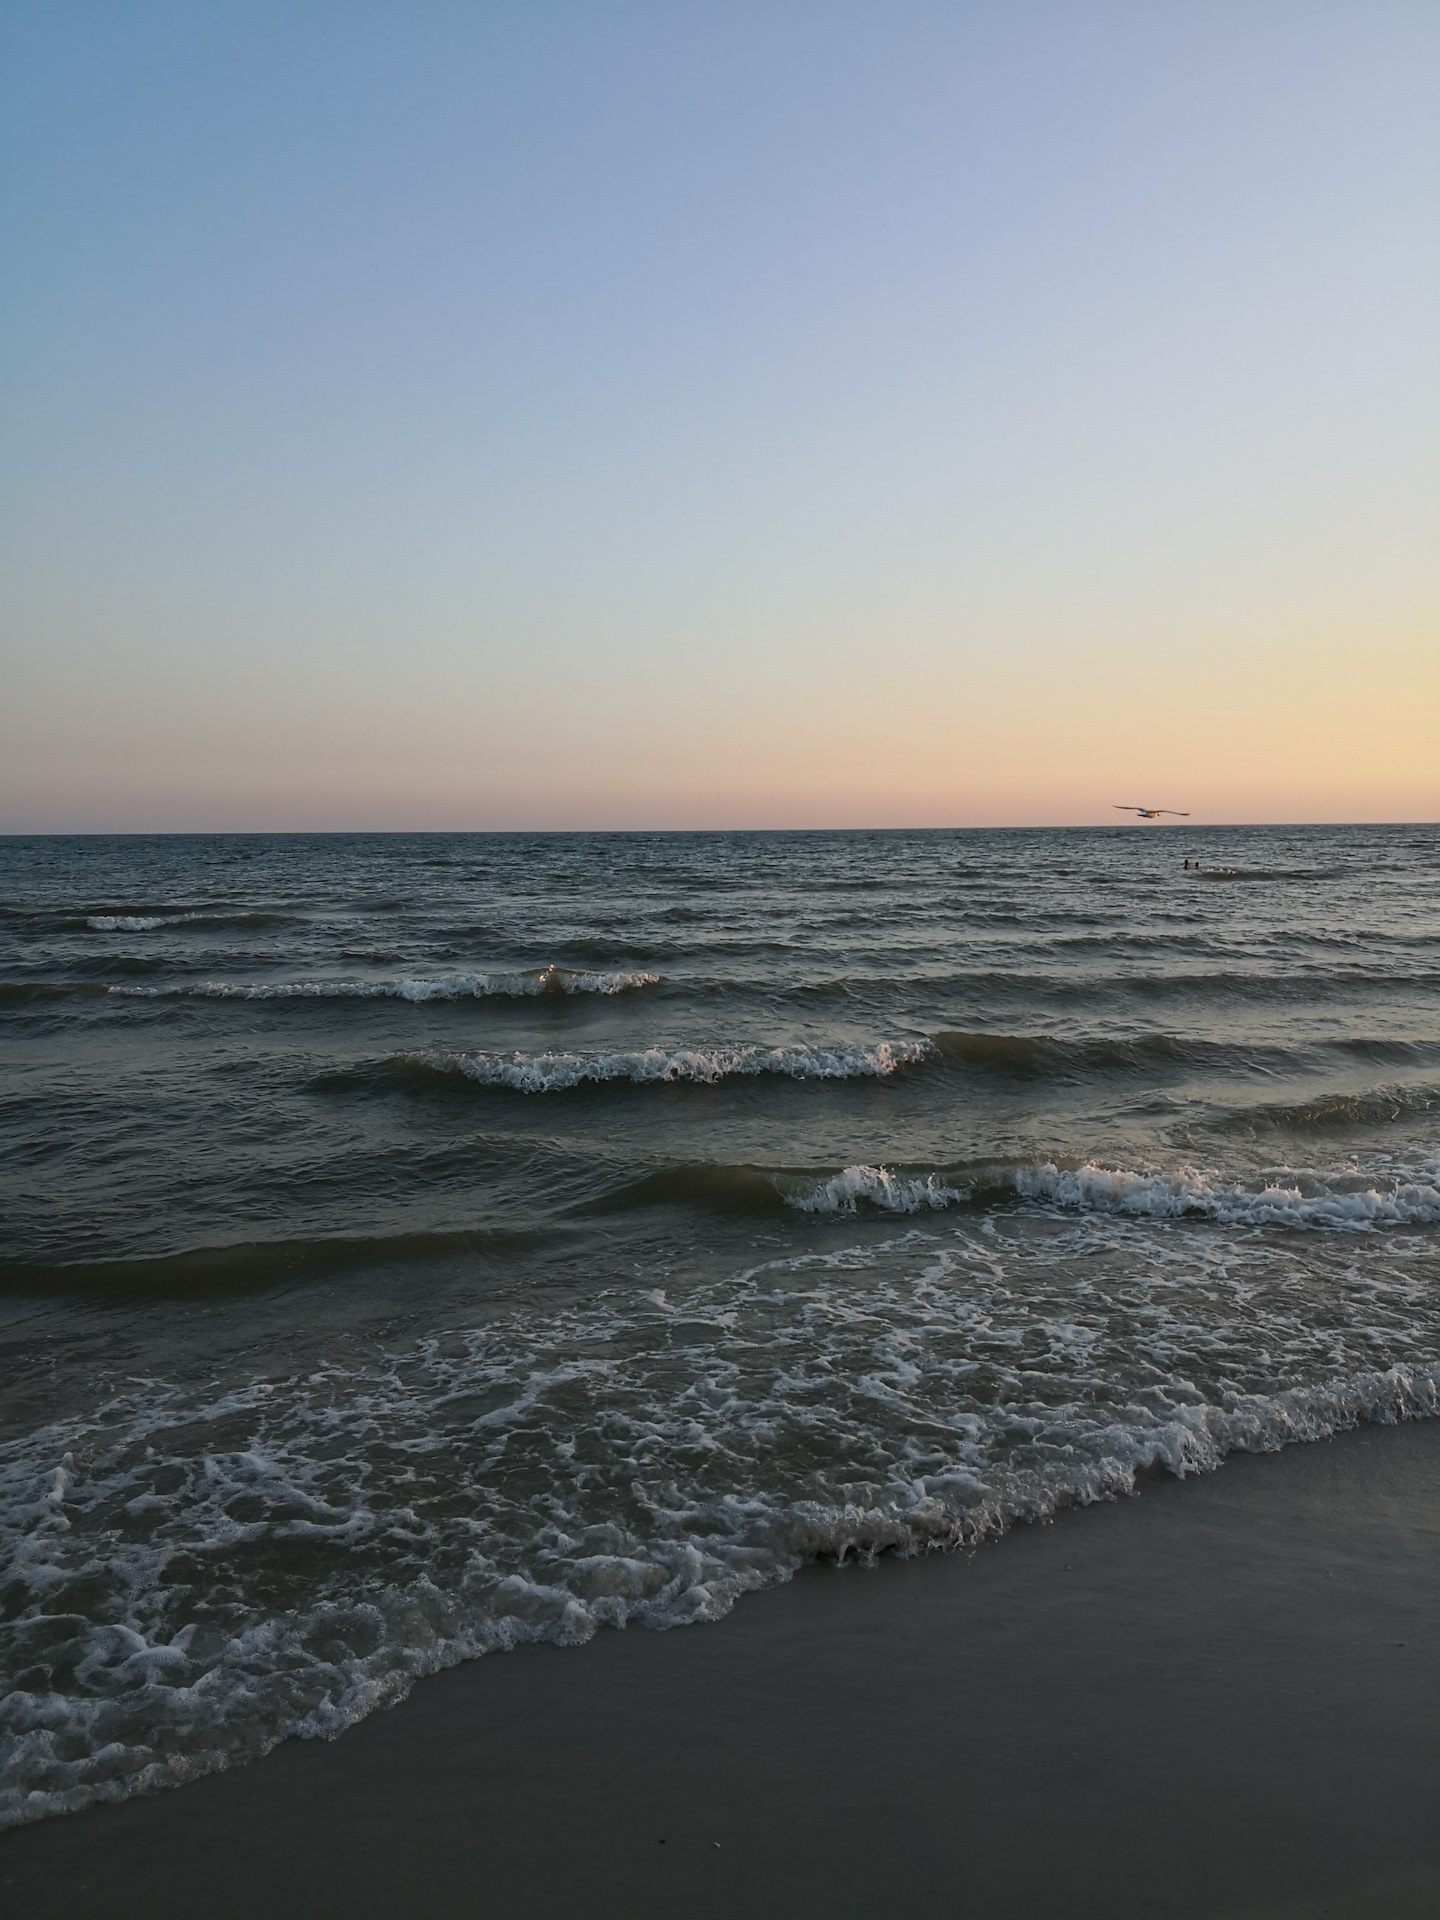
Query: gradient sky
point(544, 414)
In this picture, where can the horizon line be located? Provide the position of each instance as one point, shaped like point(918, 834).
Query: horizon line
point(371, 833)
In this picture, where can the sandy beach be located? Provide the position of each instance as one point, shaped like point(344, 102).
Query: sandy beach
point(1217, 1699)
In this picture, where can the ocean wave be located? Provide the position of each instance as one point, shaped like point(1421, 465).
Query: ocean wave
point(202, 917)
point(1060, 1056)
point(762, 1191)
point(1071, 1056)
point(197, 1573)
point(1404, 1197)
point(1039, 1055)
point(878, 1187)
point(559, 1072)
point(769, 1191)
point(455, 986)
point(1295, 983)
point(1377, 1106)
point(756, 1191)
point(1271, 873)
point(18, 991)
point(1387, 1194)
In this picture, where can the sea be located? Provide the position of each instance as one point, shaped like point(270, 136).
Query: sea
point(416, 1245)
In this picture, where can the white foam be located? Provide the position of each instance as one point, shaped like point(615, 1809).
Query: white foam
point(555, 1072)
point(894, 1192)
point(454, 986)
point(692, 1443)
point(148, 922)
point(1386, 1196)
point(1406, 1199)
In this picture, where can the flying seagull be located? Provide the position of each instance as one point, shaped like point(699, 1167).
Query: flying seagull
point(1150, 813)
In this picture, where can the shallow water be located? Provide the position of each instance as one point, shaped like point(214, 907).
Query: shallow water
point(413, 1245)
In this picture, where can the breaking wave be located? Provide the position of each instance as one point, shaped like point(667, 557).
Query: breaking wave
point(1406, 1197)
point(151, 922)
point(454, 986)
point(1393, 1197)
point(558, 1072)
point(1400, 1197)
point(1270, 873)
point(878, 1187)
point(1388, 1194)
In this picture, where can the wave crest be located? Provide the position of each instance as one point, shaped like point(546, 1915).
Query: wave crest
point(1377, 1106)
point(454, 986)
point(204, 917)
point(1032, 1056)
point(1396, 1197)
point(1408, 1197)
point(558, 1072)
point(1389, 1194)
point(878, 1187)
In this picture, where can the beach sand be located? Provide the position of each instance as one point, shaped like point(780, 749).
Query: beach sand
point(1221, 1699)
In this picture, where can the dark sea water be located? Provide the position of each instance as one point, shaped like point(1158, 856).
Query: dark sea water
point(416, 1245)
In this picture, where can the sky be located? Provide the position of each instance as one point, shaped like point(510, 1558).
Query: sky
point(545, 414)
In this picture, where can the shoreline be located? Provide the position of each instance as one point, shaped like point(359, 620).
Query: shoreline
point(1215, 1700)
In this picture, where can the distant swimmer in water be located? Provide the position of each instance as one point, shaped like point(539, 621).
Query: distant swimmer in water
point(1150, 813)
point(1187, 866)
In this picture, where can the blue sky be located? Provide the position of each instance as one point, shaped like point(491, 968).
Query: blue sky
point(592, 415)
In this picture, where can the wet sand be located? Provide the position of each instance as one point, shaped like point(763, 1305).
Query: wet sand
point(1219, 1699)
